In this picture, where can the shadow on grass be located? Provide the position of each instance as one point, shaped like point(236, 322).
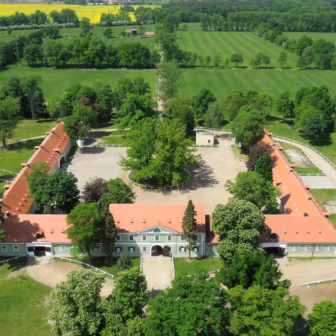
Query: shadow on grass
point(29, 144)
point(14, 265)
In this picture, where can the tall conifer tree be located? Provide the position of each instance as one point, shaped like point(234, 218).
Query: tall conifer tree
point(189, 226)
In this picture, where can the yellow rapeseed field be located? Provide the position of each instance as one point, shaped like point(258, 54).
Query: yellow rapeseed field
point(91, 12)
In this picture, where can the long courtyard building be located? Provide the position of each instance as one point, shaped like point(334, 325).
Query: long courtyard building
point(302, 229)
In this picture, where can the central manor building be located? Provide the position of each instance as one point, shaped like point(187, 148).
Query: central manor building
point(302, 229)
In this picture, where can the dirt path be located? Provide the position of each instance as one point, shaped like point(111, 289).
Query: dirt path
point(316, 158)
point(158, 272)
point(54, 272)
point(299, 272)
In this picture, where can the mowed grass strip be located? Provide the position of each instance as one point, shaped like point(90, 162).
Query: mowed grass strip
point(196, 265)
point(227, 43)
point(326, 36)
point(24, 303)
point(55, 81)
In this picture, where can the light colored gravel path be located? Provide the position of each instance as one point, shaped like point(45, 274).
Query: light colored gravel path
point(316, 158)
point(54, 272)
point(158, 271)
point(299, 272)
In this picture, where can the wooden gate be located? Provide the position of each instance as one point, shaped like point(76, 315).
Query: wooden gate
point(165, 251)
point(154, 251)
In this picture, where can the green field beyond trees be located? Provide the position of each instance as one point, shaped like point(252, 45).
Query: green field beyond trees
point(326, 36)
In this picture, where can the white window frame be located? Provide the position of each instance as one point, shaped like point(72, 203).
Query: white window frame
point(319, 248)
point(195, 249)
point(214, 248)
point(182, 238)
point(296, 248)
point(144, 249)
point(171, 238)
point(63, 248)
point(155, 237)
point(4, 248)
point(183, 249)
point(98, 248)
point(131, 248)
point(307, 248)
point(118, 248)
point(144, 238)
point(330, 248)
point(131, 237)
point(169, 249)
point(16, 246)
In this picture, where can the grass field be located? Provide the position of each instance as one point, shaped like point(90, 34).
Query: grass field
point(323, 196)
point(55, 81)
point(238, 152)
point(109, 266)
point(227, 43)
point(114, 138)
point(326, 36)
point(91, 12)
point(24, 303)
point(196, 265)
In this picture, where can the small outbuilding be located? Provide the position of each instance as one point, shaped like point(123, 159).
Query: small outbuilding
point(205, 138)
point(149, 34)
point(131, 31)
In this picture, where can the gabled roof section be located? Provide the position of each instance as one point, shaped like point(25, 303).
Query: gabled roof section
point(158, 225)
point(16, 197)
point(139, 217)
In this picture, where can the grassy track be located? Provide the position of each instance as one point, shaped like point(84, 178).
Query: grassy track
point(196, 266)
point(227, 43)
point(326, 36)
point(55, 81)
point(24, 303)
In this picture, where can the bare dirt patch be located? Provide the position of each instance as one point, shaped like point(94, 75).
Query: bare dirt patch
point(298, 158)
point(330, 206)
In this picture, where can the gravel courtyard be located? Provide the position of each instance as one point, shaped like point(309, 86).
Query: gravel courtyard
point(206, 185)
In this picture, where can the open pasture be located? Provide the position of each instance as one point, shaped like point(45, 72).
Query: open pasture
point(91, 12)
point(326, 36)
point(227, 43)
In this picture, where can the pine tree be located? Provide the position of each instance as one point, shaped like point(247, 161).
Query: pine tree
point(189, 226)
point(264, 167)
point(109, 233)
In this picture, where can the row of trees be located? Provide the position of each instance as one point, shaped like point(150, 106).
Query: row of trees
point(65, 15)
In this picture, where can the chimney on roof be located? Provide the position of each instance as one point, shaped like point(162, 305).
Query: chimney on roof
point(319, 231)
point(63, 230)
point(7, 186)
point(285, 231)
point(310, 198)
point(307, 187)
point(169, 221)
point(23, 165)
point(48, 133)
point(37, 147)
point(23, 199)
point(280, 148)
point(326, 214)
point(51, 230)
point(21, 204)
point(144, 221)
point(118, 221)
point(7, 213)
point(308, 231)
point(131, 220)
point(296, 231)
point(26, 195)
point(56, 150)
point(305, 214)
point(292, 165)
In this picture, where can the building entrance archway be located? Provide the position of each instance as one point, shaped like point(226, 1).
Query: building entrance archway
point(156, 250)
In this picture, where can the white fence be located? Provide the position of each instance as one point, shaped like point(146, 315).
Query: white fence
point(322, 187)
point(318, 282)
point(105, 146)
point(5, 261)
point(194, 145)
point(173, 267)
point(189, 275)
point(73, 156)
point(87, 265)
point(136, 183)
point(8, 171)
point(301, 143)
point(237, 158)
point(179, 185)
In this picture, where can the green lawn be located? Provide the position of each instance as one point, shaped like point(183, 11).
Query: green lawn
point(326, 36)
point(227, 43)
point(55, 81)
point(238, 152)
point(114, 138)
point(300, 170)
point(24, 303)
point(196, 265)
point(323, 196)
point(109, 266)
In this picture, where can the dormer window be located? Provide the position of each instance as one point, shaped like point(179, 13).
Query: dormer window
point(156, 230)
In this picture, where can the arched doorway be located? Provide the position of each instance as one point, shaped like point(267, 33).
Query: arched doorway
point(62, 161)
point(156, 250)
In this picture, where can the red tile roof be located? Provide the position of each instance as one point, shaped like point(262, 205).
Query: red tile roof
point(25, 228)
point(16, 198)
point(138, 217)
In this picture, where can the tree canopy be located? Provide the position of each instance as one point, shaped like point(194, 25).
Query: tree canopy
point(239, 225)
point(264, 167)
point(9, 117)
point(201, 102)
point(191, 306)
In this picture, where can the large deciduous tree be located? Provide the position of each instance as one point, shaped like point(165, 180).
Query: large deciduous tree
point(201, 102)
point(125, 305)
point(234, 102)
point(256, 152)
point(252, 187)
point(9, 117)
point(84, 227)
point(195, 305)
point(60, 192)
point(168, 74)
point(264, 167)
point(284, 105)
point(93, 190)
point(321, 321)
point(108, 233)
point(237, 58)
point(117, 192)
point(189, 226)
point(239, 225)
point(77, 306)
point(214, 117)
point(247, 269)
